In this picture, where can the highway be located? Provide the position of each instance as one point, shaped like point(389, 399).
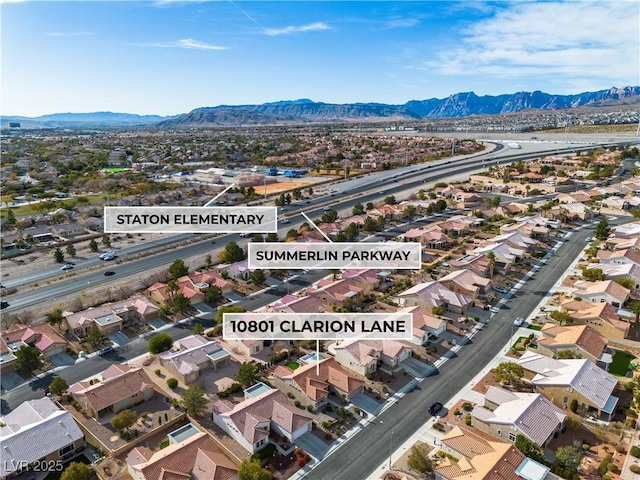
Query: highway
point(366, 189)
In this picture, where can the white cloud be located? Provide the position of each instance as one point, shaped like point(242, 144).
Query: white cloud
point(402, 23)
point(67, 34)
point(186, 43)
point(312, 27)
point(571, 41)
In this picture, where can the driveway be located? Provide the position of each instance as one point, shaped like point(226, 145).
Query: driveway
point(312, 445)
point(118, 338)
point(10, 380)
point(234, 297)
point(367, 404)
point(156, 323)
point(61, 359)
point(415, 367)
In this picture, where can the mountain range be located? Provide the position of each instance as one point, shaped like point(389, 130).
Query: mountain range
point(307, 111)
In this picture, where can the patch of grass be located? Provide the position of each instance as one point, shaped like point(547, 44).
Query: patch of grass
point(537, 328)
point(292, 365)
point(164, 444)
point(620, 364)
point(517, 348)
point(79, 459)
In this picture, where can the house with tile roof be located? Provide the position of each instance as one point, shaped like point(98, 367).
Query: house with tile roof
point(425, 325)
point(619, 257)
point(478, 264)
point(434, 294)
point(112, 316)
point(504, 253)
point(602, 317)
point(627, 230)
point(7, 357)
point(119, 388)
point(311, 384)
point(478, 457)
point(623, 243)
point(563, 381)
point(526, 229)
point(466, 282)
point(193, 356)
point(505, 415)
point(583, 340)
point(37, 431)
point(41, 336)
point(195, 458)
point(605, 291)
point(251, 421)
point(363, 356)
point(335, 292)
point(615, 271)
point(247, 346)
point(239, 270)
point(516, 240)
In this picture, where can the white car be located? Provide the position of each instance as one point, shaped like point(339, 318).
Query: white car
point(66, 267)
point(518, 321)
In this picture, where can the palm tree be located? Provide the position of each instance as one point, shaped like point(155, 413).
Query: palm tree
point(492, 263)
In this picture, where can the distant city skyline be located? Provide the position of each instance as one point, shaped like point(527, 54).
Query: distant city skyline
point(168, 57)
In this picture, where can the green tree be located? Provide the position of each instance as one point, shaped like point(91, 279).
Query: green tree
point(27, 359)
point(358, 209)
point(602, 230)
point(58, 385)
point(440, 205)
point(257, 238)
point(491, 257)
point(124, 419)
point(561, 316)
point(208, 262)
point(71, 250)
point(213, 295)
point(635, 308)
point(77, 471)
point(410, 211)
point(106, 240)
point(297, 194)
point(58, 255)
point(94, 336)
point(54, 317)
point(227, 309)
point(93, 245)
point(292, 234)
point(309, 191)
point(11, 219)
point(197, 329)
point(160, 343)
point(592, 274)
point(271, 237)
point(181, 304)
point(419, 458)
point(627, 283)
point(194, 401)
point(567, 354)
point(369, 225)
point(232, 253)
point(258, 277)
point(178, 269)
point(351, 232)
point(508, 372)
point(529, 448)
point(287, 199)
point(573, 405)
point(250, 469)
point(569, 456)
point(329, 216)
point(247, 374)
point(172, 383)
point(390, 200)
point(369, 206)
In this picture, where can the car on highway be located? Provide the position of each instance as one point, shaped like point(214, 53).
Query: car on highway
point(588, 239)
point(108, 273)
point(326, 209)
point(285, 220)
point(4, 304)
point(518, 321)
point(66, 266)
point(245, 235)
point(435, 408)
point(283, 209)
point(106, 254)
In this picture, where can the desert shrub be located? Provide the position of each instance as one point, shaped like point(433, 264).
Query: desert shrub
point(466, 406)
point(635, 451)
point(602, 468)
point(172, 383)
point(158, 372)
point(309, 408)
point(467, 419)
point(573, 406)
point(613, 468)
point(621, 449)
point(635, 468)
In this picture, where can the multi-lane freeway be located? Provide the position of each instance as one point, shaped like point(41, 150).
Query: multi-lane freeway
point(362, 190)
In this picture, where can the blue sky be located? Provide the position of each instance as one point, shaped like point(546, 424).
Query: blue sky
point(168, 57)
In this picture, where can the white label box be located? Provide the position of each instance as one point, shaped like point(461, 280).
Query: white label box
point(190, 219)
point(348, 255)
point(317, 326)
